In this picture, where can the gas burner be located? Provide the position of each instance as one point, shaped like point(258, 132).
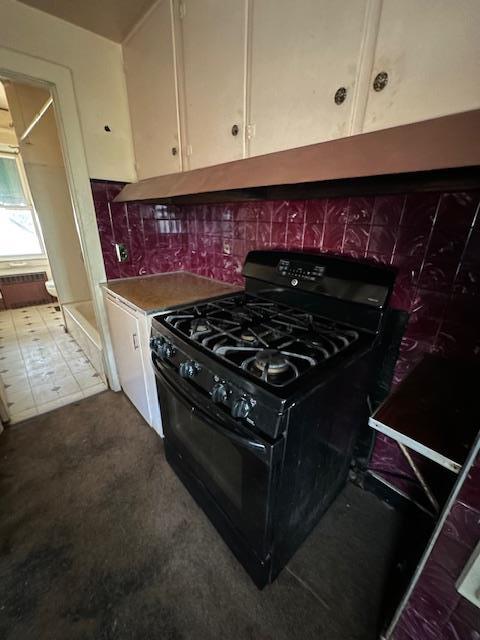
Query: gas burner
point(271, 367)
point(271, 361)
point(268, 340)
point(200, 326)
point(248, 337)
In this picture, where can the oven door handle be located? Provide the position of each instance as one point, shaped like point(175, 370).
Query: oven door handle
point(259, 449)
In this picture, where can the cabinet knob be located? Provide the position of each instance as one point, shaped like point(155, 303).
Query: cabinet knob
point(235, 130)
point(380, 81)
point(174, 151)
point(340, 95)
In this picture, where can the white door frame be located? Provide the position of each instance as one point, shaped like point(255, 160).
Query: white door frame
point(58, 79)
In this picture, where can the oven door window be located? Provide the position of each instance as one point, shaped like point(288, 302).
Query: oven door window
point(236, 470)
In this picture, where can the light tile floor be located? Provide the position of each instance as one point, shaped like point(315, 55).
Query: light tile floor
point(41, 366)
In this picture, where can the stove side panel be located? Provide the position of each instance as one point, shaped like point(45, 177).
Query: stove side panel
point(321, 436)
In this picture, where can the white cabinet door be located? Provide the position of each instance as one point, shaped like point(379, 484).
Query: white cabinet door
point(125, 333)
point(152, 94)
point(430, 50)
point(301, 53)
point(212, 63)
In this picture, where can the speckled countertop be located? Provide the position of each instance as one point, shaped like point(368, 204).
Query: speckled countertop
point(166, 290)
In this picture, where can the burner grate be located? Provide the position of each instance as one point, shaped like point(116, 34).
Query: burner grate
point(269, 341)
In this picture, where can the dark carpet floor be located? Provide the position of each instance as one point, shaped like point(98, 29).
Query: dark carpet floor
point(100, 541)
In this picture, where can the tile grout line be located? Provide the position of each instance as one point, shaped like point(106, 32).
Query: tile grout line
point(82, 390)
point(27, 372)
point(65, 362)
point(18, 346)
point(24, 369)
point(50, 343)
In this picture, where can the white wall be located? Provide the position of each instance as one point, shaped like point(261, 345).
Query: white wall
point(97, 69)
point(44, 166)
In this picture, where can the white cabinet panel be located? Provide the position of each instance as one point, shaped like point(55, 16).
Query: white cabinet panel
point(301, 53)
point(125, 333)
point(145, 323)
point(152, 94)
point(431, 52)
point(212, 60)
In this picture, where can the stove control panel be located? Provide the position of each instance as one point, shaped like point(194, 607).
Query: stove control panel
point(237, 403)
point(228, 394)
point(296, 271)
point(162, 348)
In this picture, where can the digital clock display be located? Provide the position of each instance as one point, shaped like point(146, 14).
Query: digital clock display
point(300, 270)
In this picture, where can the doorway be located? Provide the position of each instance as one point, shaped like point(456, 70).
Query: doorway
point(50, 352)
point(57, 79)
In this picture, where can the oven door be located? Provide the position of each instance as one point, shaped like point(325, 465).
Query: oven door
point(236, 467)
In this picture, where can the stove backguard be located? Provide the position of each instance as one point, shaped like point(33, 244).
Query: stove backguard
point(342, 289)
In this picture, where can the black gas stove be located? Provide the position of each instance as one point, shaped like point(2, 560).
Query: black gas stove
point(271, 342)
point(262, 394)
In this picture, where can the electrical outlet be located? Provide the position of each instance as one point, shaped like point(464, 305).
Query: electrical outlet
point(121, 251)
point(227, 247)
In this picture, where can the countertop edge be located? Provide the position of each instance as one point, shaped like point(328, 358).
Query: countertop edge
point(105, 287)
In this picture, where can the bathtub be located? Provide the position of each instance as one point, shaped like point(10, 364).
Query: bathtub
point(81, 323)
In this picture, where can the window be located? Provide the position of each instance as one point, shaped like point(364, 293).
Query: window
point(20, 235)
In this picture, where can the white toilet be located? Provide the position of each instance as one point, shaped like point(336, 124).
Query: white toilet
point(50, 287)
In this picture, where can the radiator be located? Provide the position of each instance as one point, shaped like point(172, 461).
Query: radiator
point(24, 290)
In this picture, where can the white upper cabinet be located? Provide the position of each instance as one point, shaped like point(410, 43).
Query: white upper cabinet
point(301, 53)
point(430, 50)
point(241, 78)
point(211, 60)
point(152, 94)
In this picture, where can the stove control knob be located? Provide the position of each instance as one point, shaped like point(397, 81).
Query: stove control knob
point(242, 407)
point(220, 392)
point(166, 350)
point(189, 369)
point(155, 343)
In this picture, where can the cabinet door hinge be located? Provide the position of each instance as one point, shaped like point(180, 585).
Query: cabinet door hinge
point(250, 131)
point(188, 150)
point(182, 10)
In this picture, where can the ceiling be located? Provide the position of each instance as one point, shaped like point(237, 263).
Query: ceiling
point(112, 19)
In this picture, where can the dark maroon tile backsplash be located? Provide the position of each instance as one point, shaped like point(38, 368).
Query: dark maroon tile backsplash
point(435, 610)
point(433, 239)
